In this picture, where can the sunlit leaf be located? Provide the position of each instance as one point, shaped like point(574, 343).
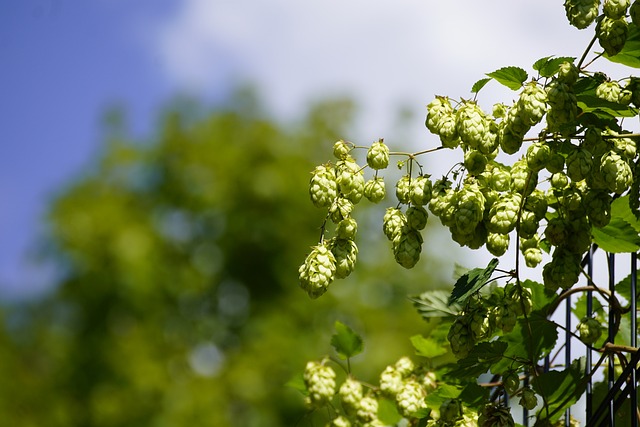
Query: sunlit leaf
point(346, 342)
point(511, 77)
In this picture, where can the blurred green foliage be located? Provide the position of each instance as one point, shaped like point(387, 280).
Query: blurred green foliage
point(177, 302)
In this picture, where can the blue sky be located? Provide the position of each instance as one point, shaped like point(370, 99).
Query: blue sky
point(63, 62)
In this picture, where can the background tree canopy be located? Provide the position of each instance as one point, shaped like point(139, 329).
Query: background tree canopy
point(177, 302)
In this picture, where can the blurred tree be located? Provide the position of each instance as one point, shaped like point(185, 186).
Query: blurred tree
point(179, 303)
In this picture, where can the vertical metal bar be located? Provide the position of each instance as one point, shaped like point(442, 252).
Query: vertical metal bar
point(634, 341)
point(525, 411)
point(589, 405)
point(611, 373)
point(567, 350)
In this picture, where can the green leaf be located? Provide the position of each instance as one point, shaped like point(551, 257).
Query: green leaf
point(388, 412)
point(531, 339)
point(479, 85)
point(561, 389)
point(620, 209)
point(427, 347)
point(346, 342)
point(511, 77)
point(444, 391)
point(616, 237)
point(474, 395)
point(541, 297)
point(480, 359)
point(432, 304)
point(472, 282)
point(588, 101)
point(548, 66)
point(297, 382)
point(630, 53)
point(623, 288)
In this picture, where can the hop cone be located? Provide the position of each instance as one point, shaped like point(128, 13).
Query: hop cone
point(341, 150)
point(403, 189)
point(317, 271)
point(471, 124)
point(421, 190)
point(323, 187)
point(459, 337)
point(528, 398)
point(411, 398)
point(407, 247)
point(616, 173)
point(634, 12)
point(567, 73)
point(504, 214)
point(538, 156)
point(469, 208)
point(609, 91)
point(391, 381)
point(612, 34)
point(493, 415)
point(598, 207)
point(347, 229)
point(562, 271)
point(374, 190)
point(589, 330)
point(345, 253)
point(532, 103)
point(417, 217)
point(350, 180)
point(435, 111)
point(497, 244)
point(393, 222)
point(367, 410)
point(378, 155)
point(579, 164)
point(321, 383)
point(340, 209)
point(350, 393)
point(581, 13)
point(523, 179)
point(615, 9)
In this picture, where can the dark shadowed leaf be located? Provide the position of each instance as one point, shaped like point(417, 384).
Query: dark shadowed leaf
point(472, 282)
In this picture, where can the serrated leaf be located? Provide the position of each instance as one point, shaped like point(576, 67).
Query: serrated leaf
point(623, 288)
point(630, 53)
point(472, 282)
point(477, 86)
point(561, 389)
point(297, 382)
point(474, 395)
point(436, 397)
point(435, 303)
point(426, 347)
point(620, 209)
point(511, 77)
point(616, 237)
point(388, 412)
point(346, 342)
point(549, 65)
point(480, 359)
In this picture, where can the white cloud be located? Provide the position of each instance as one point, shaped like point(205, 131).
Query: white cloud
point(382, 52)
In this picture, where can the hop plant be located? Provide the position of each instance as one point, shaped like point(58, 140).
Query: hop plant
point(528, 398)
point(407, 247)
point(493, 415)
point(472, 125)
point(318, 271)
point(537, 156)
point(374, 190)
point(320, 381)
point(634, 12)
point(403, 189)
point(511, 382)
point(341, 149)
point(523, 178)
point(530, 249)
point(378, 155)
point(449, 131)
point(555, 162)
point(410, 399)
point(581, 13)
point(567, 73)
point(345, 253)
point(340, 210)
point(421, 190)
point(391, 381)
point(350, 393)
point(475, 162)
point(404, 366)
point(479, 324)
point(498, 178)
point(532, 103)
point(460, 338)
point(350, 180)
point(340, 421)
point(615, 9)
point(367, 410)
point(609, 91)
point(589, 330)
point(505, 315)
point(598, 207)
point(436, 110)
point(504, 214)
point(323, 188)
point(469, 208)
point(393, 222)
point(562, 271)
point(625, 147)
point(616, 173)
point(612, 34)
point(497, 244)
point(347, 229)
point(416, 217)
point(450, 411)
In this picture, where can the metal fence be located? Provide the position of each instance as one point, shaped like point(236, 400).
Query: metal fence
point(621, 388)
